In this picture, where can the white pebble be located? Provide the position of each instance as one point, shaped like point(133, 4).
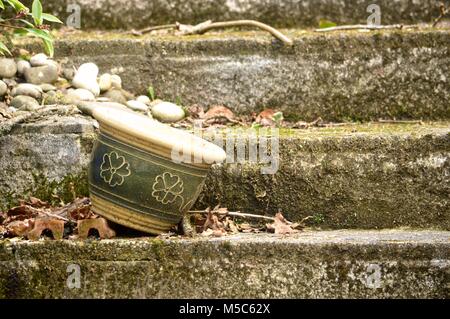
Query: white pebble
point(22, 65)
point(105, 82)
point(144, 99)
point(28, 90)
point(116, 81)
point(137, 106)
point(81, 95)
point(168, 112)
point(39, 60)
point(86, 78)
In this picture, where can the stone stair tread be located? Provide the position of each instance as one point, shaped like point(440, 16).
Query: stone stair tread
point(369, 176)
point(338, 76)
point(394, 263)
point(140, 14)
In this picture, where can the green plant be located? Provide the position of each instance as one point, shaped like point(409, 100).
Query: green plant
point(151, 93)
point(318, 218)
point(178, 101)
point(278, 118)
point(326, 24)
point(17, 20)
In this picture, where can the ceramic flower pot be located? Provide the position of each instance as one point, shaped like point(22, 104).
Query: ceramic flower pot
point(134, 178)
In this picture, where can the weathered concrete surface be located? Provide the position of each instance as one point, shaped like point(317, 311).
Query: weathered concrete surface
point(336, 76)
point(47, 157)
point(360, 176)
point(334, 264)
point(114, 14)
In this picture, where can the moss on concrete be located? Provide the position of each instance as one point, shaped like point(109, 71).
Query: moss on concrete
point(117, 14)
point(52, 191)
point(47, 159)
point(337, 264)
point(362, 176)
point(337, 76)
point(354, 176)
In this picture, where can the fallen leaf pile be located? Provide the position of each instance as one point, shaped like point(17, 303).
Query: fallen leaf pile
point(282, 226)
point(217, 222)
point(222, 116)
point(34, 219)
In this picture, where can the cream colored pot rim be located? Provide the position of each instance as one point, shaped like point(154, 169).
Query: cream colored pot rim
point(159, 134)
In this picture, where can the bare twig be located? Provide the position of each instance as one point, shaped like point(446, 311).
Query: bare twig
point(54, 216)
point(209, 25)
point(235, 214)
point(154, 28)
point(367, 27)
point(443, 12)
point(204, 27)
point(4, 25)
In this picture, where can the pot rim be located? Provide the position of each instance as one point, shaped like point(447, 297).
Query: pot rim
point(143, 132)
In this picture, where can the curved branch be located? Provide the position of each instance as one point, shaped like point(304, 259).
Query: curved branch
point(209, 25)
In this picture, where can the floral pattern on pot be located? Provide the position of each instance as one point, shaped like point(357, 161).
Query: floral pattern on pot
point(114, 169)
point(167, 188)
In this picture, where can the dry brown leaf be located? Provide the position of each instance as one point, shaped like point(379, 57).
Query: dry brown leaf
point(37, 203)
point(55, 225)
point(281, 226)
point(220, 210)
point(230, 225)
point(100, 224)
point(196, 111)
point(213, 222)
point(248, 228)
point(219, 115)
point(19, 227)
point(303, 124)
point(80, 208)
point(265, 118)
point(21, 212)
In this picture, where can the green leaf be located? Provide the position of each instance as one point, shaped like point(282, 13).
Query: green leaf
point(2, 6)
point(26, 23)
point(17, 5)
point(36, 12)
point(50, 18)
point(326, 24)
point(49, 49)
point(178, 101)
point(40, 34)
point(3, 49)
point(151, 93)
point(20, 32)
point(278, 117)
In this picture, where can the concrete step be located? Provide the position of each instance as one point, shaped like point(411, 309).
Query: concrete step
point(356, 176)
point(311, 264)
point(113, 14)
point(336, 76)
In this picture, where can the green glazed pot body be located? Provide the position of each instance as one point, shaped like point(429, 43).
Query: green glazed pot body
point(139, 189)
